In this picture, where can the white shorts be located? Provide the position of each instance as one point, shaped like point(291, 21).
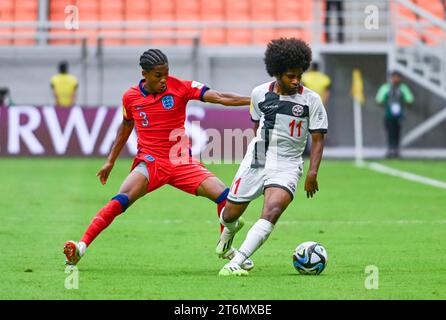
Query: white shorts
point(249, 183)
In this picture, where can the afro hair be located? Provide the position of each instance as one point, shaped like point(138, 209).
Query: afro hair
point(286, 53)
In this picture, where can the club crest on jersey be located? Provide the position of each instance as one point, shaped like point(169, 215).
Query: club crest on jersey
point(168, 102)
point(150, 158)
point(298, 110)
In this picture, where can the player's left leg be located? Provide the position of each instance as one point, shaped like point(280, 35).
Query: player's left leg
point(276, 201)
point(214, 189)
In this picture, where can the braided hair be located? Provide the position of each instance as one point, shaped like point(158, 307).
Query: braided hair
point(151, 58)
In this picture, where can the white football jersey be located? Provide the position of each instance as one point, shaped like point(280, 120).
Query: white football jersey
point(284, 124)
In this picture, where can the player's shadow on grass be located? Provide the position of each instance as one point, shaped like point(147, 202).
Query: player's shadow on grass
point(151, 271)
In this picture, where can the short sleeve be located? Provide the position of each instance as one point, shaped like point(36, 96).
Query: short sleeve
point(195, 90)
point(254, 107)
point(318, 116)
point(407, 94)
point(382, 93)
point(327, 82)
point(126, 110)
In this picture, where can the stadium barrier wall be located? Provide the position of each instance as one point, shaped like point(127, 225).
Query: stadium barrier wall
point(217, 134)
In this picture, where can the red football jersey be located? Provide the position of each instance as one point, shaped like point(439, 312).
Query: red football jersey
point(159, 118)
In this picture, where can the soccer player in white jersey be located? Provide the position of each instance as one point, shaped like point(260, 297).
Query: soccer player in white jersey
point(284, 113)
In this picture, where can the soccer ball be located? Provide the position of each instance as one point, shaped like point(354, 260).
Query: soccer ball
point(310, 258)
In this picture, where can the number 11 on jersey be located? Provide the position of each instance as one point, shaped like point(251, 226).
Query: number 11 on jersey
point(293, 125)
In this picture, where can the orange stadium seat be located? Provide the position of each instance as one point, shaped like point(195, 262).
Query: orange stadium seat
point(88, 11)
point(433, 6)
point(57, 14)
point(263, 11)
point(6, 14)
point(137, 11)
point(407, 34)
point(289, 11)
point(187, 11)
point(162, 11)
point(306, 15)
point(26, 10)
point(436, 9)
point(238, 10)
point(112, 10)
point(212, 11)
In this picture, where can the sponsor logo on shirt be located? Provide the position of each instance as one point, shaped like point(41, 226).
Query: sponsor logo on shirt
point(273, 106)
point(168, 102)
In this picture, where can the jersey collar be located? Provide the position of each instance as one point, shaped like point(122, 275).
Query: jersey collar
point(143, 91)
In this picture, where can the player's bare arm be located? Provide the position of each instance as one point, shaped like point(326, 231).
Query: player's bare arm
point(124, 131)
point(317, 148)
point(255, 126)
point(226, 98)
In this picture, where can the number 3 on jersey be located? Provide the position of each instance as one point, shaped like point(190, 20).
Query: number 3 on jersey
point(144, 121)
point(293, 125)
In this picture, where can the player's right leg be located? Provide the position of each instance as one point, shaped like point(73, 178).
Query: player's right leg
point(247, 185)
point(133, 188)
point(276, 201)
point(230, 218)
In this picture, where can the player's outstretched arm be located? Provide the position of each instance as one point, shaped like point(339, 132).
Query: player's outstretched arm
point(124, 131)
point(317, 148)
point(226, 98)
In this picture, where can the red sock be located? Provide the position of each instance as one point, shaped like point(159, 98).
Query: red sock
point(101, 221)
point(220, 207)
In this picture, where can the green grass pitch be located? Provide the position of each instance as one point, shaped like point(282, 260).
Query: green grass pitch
point(163, 246)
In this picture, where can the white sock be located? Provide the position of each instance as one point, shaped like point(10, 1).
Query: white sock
point(231, 226)
point(256, 236)
point(82, 246)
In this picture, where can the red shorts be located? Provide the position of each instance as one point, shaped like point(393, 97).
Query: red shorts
point(186, 176)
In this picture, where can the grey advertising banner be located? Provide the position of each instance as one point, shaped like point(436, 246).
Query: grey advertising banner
point(217, 134)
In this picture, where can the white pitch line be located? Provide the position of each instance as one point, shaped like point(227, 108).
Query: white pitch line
point(406, 175)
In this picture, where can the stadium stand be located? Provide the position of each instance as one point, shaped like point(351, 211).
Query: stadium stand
point(6, 14)
point(24, 11)
point(199, 11)
point(166, 11)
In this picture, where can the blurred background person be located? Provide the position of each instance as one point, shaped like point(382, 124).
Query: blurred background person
point(318, 82)
point(64, 86)
point(395, 96)
point(5, 97)
point(332, 8)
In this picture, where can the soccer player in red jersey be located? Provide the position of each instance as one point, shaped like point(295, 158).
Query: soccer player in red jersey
point(157, 107)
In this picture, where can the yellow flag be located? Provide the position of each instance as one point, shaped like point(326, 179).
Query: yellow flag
point(357, 86)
